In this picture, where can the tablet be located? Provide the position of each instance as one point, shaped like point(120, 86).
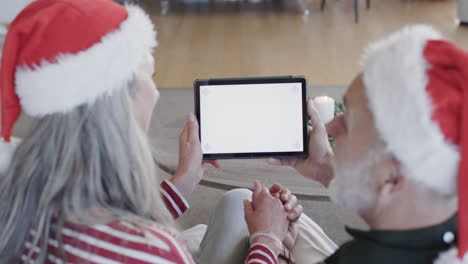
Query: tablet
point(252, 117)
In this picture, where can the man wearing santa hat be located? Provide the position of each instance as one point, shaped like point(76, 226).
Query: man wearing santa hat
point(401, 154)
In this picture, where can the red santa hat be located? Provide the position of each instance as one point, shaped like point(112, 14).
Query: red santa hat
point(60, 54)
point(417, 89)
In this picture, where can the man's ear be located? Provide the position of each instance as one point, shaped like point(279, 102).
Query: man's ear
point(390, 180)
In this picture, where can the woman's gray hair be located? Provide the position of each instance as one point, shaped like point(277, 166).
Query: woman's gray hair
point(93, 164)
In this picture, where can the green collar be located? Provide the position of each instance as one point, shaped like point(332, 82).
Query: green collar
point(440, 236)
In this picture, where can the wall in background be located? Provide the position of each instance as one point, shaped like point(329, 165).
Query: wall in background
point(463, 10)
point(10, 8)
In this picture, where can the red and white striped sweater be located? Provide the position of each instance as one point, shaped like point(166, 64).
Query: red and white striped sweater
point(123, 242)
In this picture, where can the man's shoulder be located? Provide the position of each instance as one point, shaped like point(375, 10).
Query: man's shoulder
point(363, 251)
point(351, 252)
point(415, 246)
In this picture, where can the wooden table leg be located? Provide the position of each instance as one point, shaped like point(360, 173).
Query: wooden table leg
point(165, 5)
point(303, 7)
point(356, 11)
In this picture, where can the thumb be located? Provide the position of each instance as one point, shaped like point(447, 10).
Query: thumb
point(257, 187)
point(192, 124)
point(184, 134)
point(256, 191)
point(248, 209)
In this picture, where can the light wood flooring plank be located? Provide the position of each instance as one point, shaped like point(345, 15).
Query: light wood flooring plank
point(326, 47)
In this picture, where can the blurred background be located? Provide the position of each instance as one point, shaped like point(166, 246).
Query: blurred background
point(321, 39)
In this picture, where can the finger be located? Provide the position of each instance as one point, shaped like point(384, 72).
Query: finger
point(295, 213)
point(288, 243)
point(214, 163)
point(275, 188)
point(256, 191)
point(217, 163)
point(193, 129)
point(285, 195)
point(273, 161)
point(314, 116)
point(282, 162)
point(290, 203)
point(293, 229)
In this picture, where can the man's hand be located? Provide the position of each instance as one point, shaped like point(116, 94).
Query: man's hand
point(190, 170)
point(292, 208)
point(266, 214)
point(318, 165)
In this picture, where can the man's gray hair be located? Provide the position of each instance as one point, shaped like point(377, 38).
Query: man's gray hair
point(96, 157)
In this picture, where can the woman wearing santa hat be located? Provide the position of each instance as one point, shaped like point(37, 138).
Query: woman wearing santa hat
point(82, 187)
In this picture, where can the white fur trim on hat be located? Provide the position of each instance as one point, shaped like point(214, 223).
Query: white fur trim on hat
point(395, 79)
point(7, 150)
point(451, 257)
point(76, 79)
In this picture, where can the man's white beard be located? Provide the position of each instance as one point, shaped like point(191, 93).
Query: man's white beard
point(352, 185)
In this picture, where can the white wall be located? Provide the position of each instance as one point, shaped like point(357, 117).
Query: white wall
point(463, 10)
point(10, 8)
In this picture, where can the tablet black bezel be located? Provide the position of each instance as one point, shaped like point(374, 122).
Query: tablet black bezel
point(256, 80)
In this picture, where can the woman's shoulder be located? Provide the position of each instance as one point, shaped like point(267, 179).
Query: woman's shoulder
point(143, 241)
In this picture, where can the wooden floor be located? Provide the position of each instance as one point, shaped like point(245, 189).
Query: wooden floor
point(325, 47)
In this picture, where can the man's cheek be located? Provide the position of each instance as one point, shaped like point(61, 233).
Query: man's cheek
point(339, 149)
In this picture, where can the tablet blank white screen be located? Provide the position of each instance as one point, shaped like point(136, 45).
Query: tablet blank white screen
point(250, 118)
